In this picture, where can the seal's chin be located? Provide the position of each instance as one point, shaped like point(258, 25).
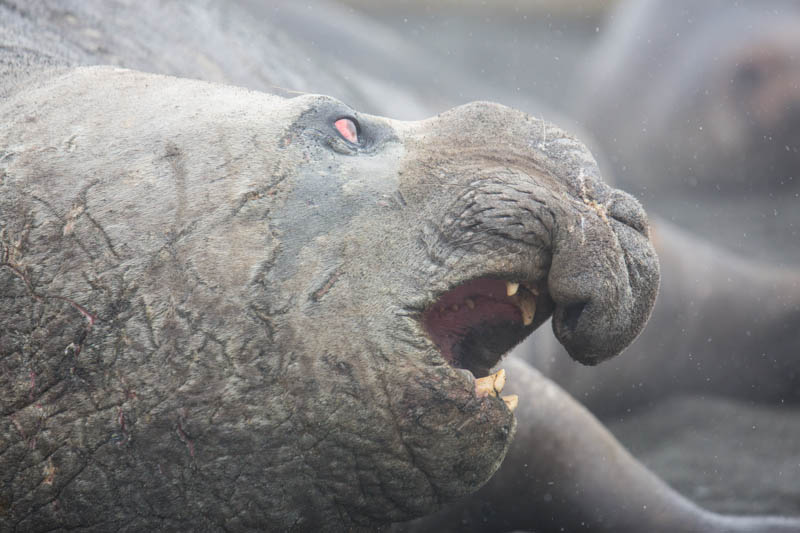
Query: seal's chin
point(477, 322)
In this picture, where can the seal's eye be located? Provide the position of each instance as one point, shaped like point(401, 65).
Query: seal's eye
point(347, 128)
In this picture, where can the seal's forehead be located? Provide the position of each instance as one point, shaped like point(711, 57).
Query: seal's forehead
point(117, 87)
point(496, 134)
point(112, 103)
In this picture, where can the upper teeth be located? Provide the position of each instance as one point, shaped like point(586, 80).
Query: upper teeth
point(525, 300)
point(527, 305)
point(511, 288)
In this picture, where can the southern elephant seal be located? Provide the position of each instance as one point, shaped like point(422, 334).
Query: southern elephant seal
point(163, 37)
point(225, 309)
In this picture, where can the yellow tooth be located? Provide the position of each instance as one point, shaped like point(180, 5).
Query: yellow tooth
point(499, 380)
point(527, 305)
point(512, 400)
point(511, 288)
point(485, 387)
point(490, 385)
point(470, 303)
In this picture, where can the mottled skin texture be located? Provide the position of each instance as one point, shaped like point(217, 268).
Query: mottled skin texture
point(198, 328)
point(556, 438)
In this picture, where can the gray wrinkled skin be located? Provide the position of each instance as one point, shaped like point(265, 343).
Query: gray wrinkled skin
point(556, 473)
point(211, 301)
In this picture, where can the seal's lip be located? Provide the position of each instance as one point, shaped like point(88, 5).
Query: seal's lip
point(476, 322)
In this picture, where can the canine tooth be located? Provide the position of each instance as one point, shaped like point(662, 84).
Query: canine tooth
point(490, 385)
point(470, 303)
point(511, 288)
point(499, 380)
point(512, 400)
point(527, 306)
point(485, 387)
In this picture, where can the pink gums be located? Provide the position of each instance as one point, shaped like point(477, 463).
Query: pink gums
point(457, 312)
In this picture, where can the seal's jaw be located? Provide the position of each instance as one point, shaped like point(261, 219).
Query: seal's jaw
point(478, 321)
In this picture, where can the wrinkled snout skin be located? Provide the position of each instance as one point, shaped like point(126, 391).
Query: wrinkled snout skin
point(531, 184)
point(211, 301)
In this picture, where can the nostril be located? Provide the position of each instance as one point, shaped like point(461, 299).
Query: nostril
point(572, 314)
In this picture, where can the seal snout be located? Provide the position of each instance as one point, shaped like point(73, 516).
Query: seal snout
point(605, 287)
point(530, 207)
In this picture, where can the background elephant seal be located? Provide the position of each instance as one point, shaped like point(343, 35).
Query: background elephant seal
point(696, 106)
point(226, 309)
point(719, 115)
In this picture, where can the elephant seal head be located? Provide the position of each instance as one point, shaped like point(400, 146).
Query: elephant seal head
point(275, 310)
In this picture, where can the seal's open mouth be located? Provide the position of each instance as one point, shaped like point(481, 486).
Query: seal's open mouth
point(474, 324)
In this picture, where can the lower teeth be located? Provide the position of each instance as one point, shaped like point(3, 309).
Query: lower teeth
point(490, 385)
point(512, 400)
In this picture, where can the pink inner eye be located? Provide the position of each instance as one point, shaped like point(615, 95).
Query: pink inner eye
point(347, 128)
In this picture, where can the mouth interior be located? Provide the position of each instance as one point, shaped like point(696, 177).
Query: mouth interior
point(474, 324)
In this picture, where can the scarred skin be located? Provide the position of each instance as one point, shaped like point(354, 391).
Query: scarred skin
point(196, 311)
point(192, 426)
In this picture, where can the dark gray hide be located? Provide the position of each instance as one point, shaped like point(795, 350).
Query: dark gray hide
point(333, 50)
point(211, 300)
point(719, 114)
